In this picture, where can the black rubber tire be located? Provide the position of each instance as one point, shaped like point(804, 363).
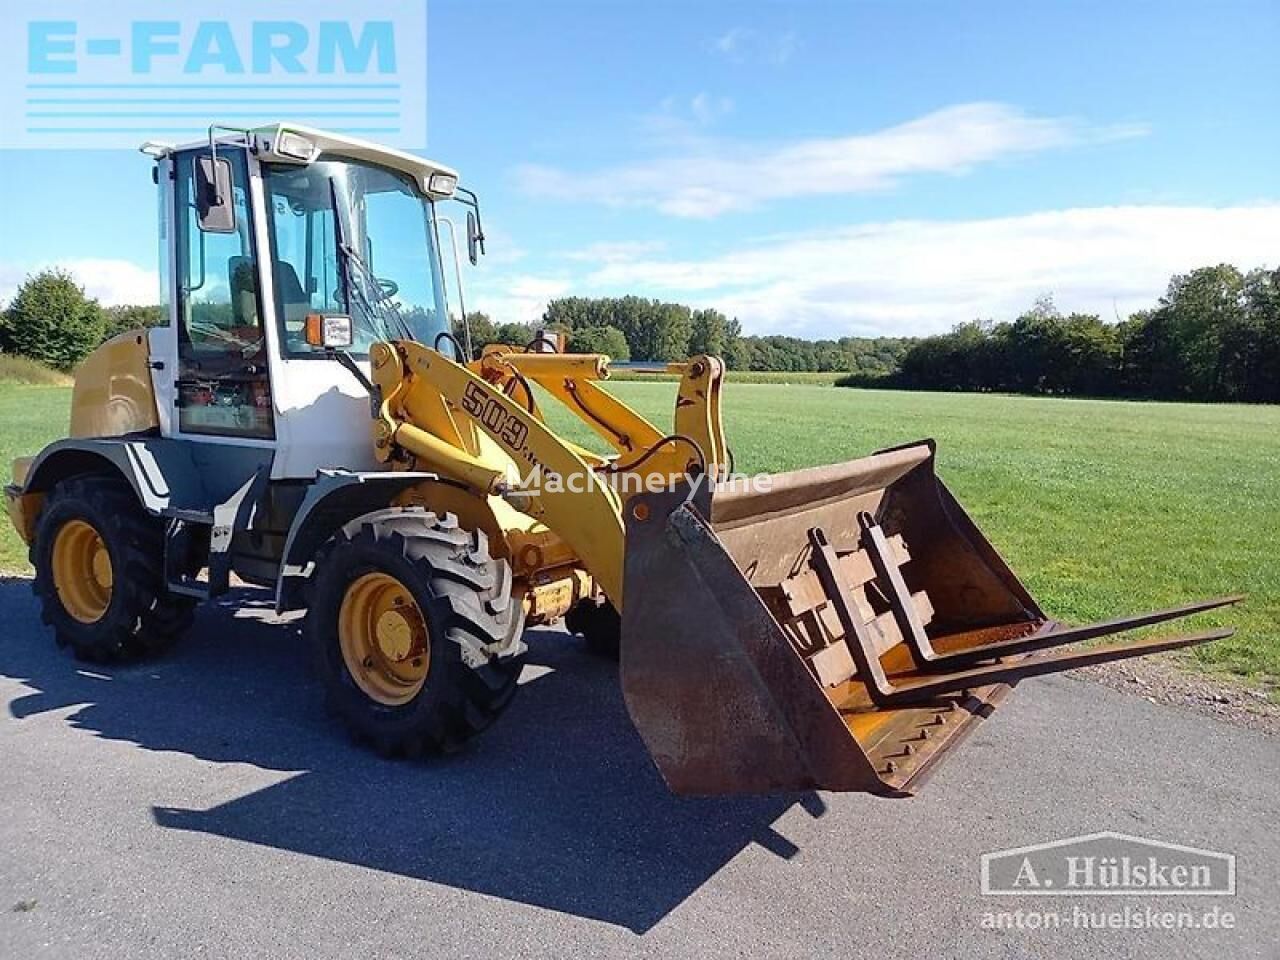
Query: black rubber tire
point(597, 622)
point(465, 596)
point(142, 619)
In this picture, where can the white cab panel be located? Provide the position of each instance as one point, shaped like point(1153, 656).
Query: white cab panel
point(162, 347)
point(323, 419)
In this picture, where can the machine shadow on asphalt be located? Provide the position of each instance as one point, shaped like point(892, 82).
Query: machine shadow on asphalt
point(561, 809)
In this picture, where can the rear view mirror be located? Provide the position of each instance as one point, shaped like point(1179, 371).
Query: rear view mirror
point(475, 238)
point(215, 210)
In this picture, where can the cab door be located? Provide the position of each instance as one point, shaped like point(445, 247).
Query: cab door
point(222, 383)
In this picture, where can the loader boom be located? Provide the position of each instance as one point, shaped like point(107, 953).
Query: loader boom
point(498, 444)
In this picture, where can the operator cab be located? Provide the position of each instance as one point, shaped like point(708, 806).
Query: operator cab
point(261, 230)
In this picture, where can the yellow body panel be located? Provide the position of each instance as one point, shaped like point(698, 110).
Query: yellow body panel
point(23, 509)
point(113, 394)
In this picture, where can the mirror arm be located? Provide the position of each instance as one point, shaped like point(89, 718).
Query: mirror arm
point(473, 201)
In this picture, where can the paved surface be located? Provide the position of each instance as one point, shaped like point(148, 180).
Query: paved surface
point(204, 806)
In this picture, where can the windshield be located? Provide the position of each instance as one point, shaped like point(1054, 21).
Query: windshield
point(387, 256)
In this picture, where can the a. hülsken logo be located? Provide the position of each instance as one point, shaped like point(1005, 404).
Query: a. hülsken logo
point(1108, 864)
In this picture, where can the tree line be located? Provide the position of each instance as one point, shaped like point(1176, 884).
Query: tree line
point(637, 329)
point(1214, 335)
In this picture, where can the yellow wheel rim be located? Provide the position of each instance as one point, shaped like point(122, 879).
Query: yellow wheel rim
point(384, 639)
point(82, 573)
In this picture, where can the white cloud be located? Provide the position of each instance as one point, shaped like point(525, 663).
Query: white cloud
point(682, 124)
point(516, 299)
point(747, 45)
point(707, 109)
point(616, 251)
point(915, 277)
point(112, 282)
point(710, 177)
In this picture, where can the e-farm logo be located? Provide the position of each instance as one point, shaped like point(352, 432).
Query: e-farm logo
point(88, 74)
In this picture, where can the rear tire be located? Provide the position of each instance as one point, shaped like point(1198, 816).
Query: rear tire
point(98, 559)
point(402, 586)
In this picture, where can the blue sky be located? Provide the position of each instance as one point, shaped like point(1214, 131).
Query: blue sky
point(813, 168)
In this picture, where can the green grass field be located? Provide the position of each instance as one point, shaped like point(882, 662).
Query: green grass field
point(1101, 507)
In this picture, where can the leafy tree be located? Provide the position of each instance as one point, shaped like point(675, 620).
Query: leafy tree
point(1190, 322)
point(51, 320)
point(513, 334)
point(709, 333)
point(607, 340)
point(738, 354)
point(484, 332)
point(1215, 335)
point(122, 319)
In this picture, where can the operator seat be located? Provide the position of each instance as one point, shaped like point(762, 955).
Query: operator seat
point(296, 304)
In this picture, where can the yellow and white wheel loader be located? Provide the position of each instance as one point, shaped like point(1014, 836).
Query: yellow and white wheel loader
point(308, 422)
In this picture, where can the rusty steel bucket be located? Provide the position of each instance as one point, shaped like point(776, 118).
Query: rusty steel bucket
point(841, 630)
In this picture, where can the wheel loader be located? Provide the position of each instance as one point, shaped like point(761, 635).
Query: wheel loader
point(309, 422)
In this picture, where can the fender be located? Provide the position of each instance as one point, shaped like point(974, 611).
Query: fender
point(167, 476)
point(336, 498)
point(192, 482)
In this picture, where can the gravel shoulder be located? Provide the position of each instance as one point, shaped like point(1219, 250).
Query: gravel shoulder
point(1165, 681)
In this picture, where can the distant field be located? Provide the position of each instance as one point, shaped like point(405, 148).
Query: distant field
point(1101, 507)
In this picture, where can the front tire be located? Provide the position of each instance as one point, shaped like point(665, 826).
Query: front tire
point(414, 631)
point(98, 558)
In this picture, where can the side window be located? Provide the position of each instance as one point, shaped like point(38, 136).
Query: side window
point(304, 266)
point(223, 383)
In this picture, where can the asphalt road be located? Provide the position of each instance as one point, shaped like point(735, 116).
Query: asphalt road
point(205, 806)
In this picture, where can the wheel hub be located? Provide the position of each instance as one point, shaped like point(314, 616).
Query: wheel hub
point(395, 636)
point(82, 571)
point(384, 639)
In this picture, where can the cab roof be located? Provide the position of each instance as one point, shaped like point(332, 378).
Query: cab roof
point(286, 143)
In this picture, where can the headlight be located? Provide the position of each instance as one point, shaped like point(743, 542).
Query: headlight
point(295, 146)
point(332, 332)
point(442, 184)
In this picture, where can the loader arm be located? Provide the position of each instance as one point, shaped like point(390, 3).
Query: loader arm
point(480, 425)
point(540, 474)
point(696, 442)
